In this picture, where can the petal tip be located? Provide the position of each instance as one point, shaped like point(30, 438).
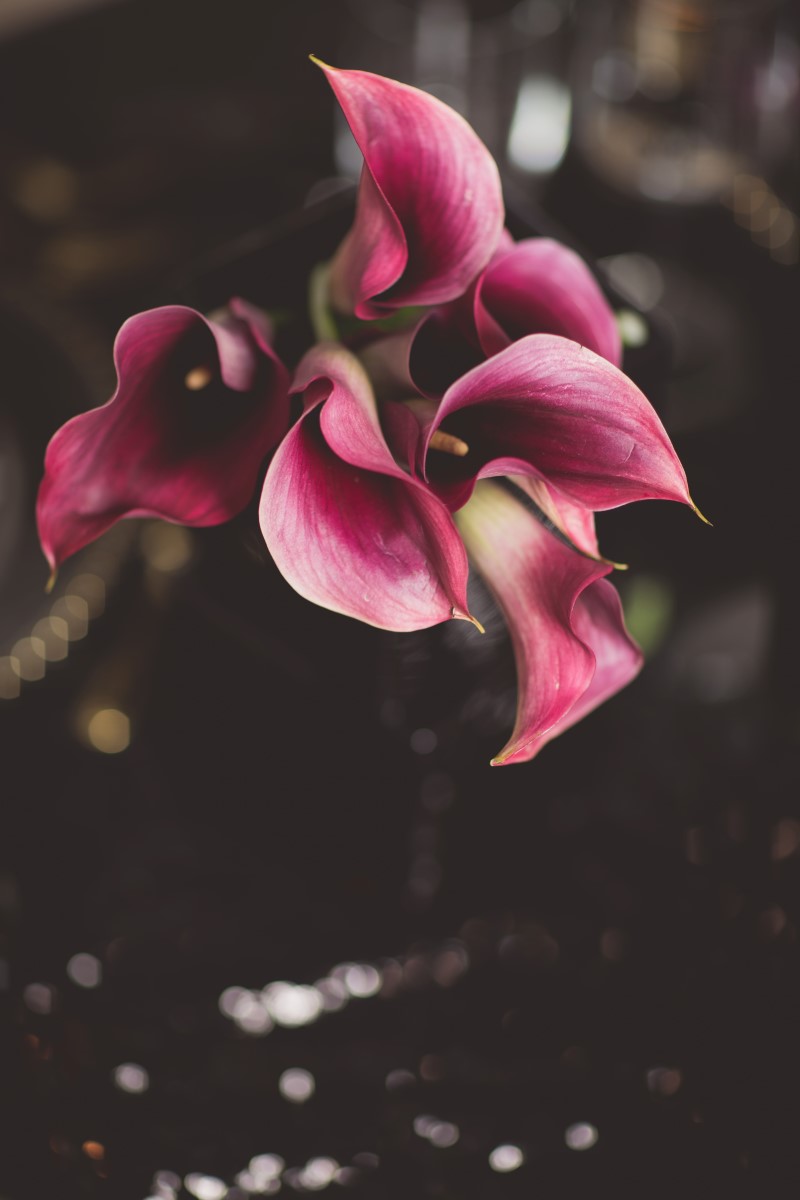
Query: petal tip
point(51, 582)
point(466, 616)
point(703, 518)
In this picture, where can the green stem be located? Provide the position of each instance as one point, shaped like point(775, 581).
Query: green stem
point(319, 310)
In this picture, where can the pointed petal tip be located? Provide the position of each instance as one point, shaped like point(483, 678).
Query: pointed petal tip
point(600, 558)
point(697, 512)
point(506, 757)
point(466, 616)
point(322, 65)
point(51, 583)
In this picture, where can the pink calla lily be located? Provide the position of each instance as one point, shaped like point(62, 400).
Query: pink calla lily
point(548, 408)
point(570, 643)
point(346, 526)
point(534, 286)
point(353, 530)
point(540, 286)
point(381, 494)
point(200, 401)
point(430, 210)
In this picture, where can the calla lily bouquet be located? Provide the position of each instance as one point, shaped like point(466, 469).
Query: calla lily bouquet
point(464, 406)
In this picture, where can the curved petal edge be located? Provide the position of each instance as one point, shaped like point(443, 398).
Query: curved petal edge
point(430, 209)
point(346, 526)
point(199, 403)
point(570, 644)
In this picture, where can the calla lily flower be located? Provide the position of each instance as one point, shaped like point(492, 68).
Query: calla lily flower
point(534, 286)
point(199, 403)
point(581, 434)
point(356, 510)
point(539, 285)
point(349, 528)
point(570, 643)
point(430, 209)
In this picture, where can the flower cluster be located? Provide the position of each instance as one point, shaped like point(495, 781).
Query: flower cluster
point(488, 430)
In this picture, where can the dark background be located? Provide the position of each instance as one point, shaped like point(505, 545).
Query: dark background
point(600, 945)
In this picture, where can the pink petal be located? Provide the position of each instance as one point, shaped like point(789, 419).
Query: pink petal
point(551, 408)
point(571, 647)
point(569, 520)
point(540, 286)
point(533, 286)
point(158, 447)
point(347, 528)
point(599, 621)
point(430, 208)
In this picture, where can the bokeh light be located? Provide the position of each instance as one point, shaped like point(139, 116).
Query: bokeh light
point(581, 1136)
point(506, 1158)
point(296, 1085)
point(85, 970)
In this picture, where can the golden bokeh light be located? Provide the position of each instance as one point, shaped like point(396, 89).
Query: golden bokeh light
point(75, 612)
point(53, 632)
point(108, 730)
point(28, 658)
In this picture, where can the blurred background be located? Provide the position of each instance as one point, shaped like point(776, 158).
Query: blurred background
point(268, 921)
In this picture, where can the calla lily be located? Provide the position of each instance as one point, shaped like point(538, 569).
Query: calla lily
point(354, 530)
point(430, 210)
point(349, 528)
point(550, 410)
point(534, 286)
point(570, 643)
point(541, 286)
point(199, 403)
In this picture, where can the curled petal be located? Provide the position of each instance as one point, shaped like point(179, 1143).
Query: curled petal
point(199, 403)
point(541, 286)
point(598, 620)
point(571, 647)
point(430, 208)
point(347, 528)
point(551, 408)
point(533, 286)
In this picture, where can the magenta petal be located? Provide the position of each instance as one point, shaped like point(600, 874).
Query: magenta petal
point(534, 286)
point(598, 620)
point(571, 521)
point(540, 286)
point(561, 412)
point(571, 647)
point(162, 447)
point(347, 528)
point(430, 208)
